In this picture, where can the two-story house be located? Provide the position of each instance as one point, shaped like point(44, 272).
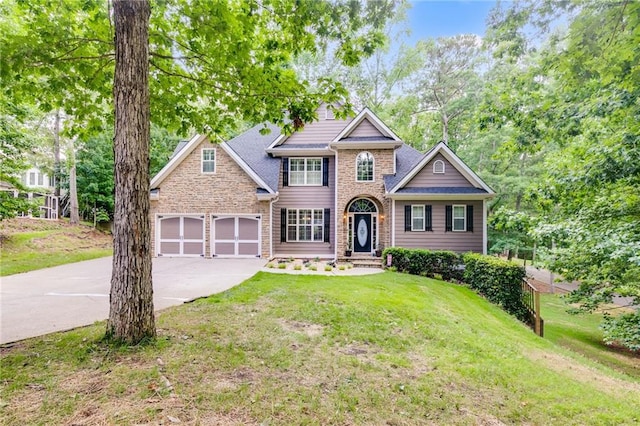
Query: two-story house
point(335, 185)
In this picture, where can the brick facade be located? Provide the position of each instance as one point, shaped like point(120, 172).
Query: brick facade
point(229, 190)
point(349, 189)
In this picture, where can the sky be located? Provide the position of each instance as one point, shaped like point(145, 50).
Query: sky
point(445, 18)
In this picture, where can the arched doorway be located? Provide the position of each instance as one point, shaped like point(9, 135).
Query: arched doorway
point(362, 226)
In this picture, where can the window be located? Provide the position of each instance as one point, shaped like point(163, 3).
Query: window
point(208, 160)
point(32, 178)
point(305, 225)
point(417, 218)
point(459, 218)
point(438, 166)
point(305, 171)
point(364, 167)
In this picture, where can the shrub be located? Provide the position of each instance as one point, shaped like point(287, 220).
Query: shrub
point(297, 267)
point(447, 264)
point(623, 330)
point(282, 266)
point(498, 280)
point(328, 268)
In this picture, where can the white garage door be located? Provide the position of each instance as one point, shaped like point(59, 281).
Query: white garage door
point(180, 235)
point(235, 236)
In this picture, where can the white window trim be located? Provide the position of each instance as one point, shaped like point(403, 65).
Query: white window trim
point(202, 161)
point(435, 170)
point(464, 218)
point(373, 167)
point(297, 225)
point(306, 171)
point(424, 217)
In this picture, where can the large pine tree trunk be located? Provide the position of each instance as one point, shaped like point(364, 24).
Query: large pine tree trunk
point(131, 316)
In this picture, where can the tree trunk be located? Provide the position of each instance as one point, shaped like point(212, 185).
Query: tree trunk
point(56, 156)
point(74, 214)
point(131, 316)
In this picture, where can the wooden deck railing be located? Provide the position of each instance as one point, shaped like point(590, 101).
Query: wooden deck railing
point(531, 300)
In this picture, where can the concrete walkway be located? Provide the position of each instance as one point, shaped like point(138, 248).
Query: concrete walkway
point(77, 294)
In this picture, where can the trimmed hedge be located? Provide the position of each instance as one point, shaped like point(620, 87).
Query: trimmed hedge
point(498, 280)
point(447, 264)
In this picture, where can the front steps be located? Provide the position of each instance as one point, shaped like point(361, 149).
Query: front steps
point(362, 261)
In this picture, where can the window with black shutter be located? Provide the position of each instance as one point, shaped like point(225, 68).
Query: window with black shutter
point(428, 221)
point(407, 218)
point(285, 172)
point(469, 218)
point(283, 225)
point(448, 214)
point(327, 225)
point(325, 172)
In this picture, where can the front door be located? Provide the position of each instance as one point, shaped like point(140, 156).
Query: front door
point(362, 232)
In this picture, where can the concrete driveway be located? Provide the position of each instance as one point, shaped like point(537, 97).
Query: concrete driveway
point(77, 294)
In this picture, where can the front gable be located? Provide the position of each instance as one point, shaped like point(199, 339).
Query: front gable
point(450, 177)
point(444, 174)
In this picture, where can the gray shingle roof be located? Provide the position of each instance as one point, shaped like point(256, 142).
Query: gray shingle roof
point(443, 190)
point(251, 146)
point(406, 159)
point(292, 146)
point(179, 147)
point(366, 139)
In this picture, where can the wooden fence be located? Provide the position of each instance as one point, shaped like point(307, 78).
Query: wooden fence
point(531, 300)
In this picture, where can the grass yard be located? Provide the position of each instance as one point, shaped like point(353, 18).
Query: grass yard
point(29, 244)
point(581, 334)
point(279, 349)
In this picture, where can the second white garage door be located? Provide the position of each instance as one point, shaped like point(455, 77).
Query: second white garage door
point(235, 236)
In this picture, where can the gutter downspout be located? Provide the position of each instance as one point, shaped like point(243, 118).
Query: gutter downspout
point(484, 226)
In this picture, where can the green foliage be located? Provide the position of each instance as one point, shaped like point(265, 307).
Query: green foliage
point(623, 330)
point(426, 262)
point(94, 175)
point(498, 280)
point(509, 231)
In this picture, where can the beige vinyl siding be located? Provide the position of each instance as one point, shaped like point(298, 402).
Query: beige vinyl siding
point(438, 239)
point(305, 197)
point(450, 178)
point(364, 129)
point(321, 131)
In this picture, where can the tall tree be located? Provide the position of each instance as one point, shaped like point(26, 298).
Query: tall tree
point(444, 83)
point(131, 316)
point(211, 62)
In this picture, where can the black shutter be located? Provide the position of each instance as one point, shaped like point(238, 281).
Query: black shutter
point(327, 225)
point(469, 218)
point(448, 221)
point(427, 218)
point(407, 218)
point(285, 172)
point(283, 225)
point(325, 172)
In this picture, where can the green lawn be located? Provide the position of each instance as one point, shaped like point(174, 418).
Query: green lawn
point(292, 349)
point(35, 244)
point(581, 334)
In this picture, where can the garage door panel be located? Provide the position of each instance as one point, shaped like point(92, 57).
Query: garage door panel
point(180, 235)
point(170, 228)
point(236, 236)
point(248, 249)
point(247, 228)
point(224, 249)
point(170, 247)
point(193, 228)
point(225, 228)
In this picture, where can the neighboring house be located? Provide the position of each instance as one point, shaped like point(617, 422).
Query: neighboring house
point(38, 189)
point(332, 186)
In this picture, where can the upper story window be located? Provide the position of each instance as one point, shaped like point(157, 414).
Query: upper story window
point(364, 167)
point(305, 171)
point(438, 166)
point(208, 160)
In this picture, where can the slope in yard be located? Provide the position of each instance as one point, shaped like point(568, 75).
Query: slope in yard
point(29, 244)
point(291, 349)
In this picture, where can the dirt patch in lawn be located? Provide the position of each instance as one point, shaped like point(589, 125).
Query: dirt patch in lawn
point(583, 373)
